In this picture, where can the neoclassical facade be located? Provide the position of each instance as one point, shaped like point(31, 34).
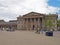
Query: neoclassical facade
point(33, 21)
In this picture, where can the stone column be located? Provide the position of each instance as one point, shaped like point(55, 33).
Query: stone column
point(30, 24)
point(38, 22)
point(26, 24)
point(34, 24)
point(23, 24)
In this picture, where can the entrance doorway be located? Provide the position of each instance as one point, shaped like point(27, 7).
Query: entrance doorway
point(33, 27)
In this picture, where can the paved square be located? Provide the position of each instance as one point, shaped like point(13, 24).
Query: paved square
point(28, 38)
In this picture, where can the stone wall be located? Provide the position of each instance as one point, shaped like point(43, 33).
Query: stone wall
point(33, 21)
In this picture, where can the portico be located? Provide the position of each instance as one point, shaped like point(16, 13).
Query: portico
point(32, 23)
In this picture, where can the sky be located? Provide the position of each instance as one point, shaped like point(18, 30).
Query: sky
point(11, 9)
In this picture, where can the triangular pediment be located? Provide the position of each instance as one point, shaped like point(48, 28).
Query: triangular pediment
point(33, 14)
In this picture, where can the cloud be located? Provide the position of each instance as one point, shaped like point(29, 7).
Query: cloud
point(52, 9)
point(10, 9)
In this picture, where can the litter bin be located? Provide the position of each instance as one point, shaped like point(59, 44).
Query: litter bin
point(49, 33)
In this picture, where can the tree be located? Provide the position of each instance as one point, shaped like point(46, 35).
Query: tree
point(58, 23)
point(49, 23)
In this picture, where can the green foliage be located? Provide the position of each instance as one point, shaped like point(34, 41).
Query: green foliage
point(58, 23)
point(49, 23)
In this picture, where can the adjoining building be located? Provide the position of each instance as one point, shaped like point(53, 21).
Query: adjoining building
point(11, 25)
point(33, 20)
